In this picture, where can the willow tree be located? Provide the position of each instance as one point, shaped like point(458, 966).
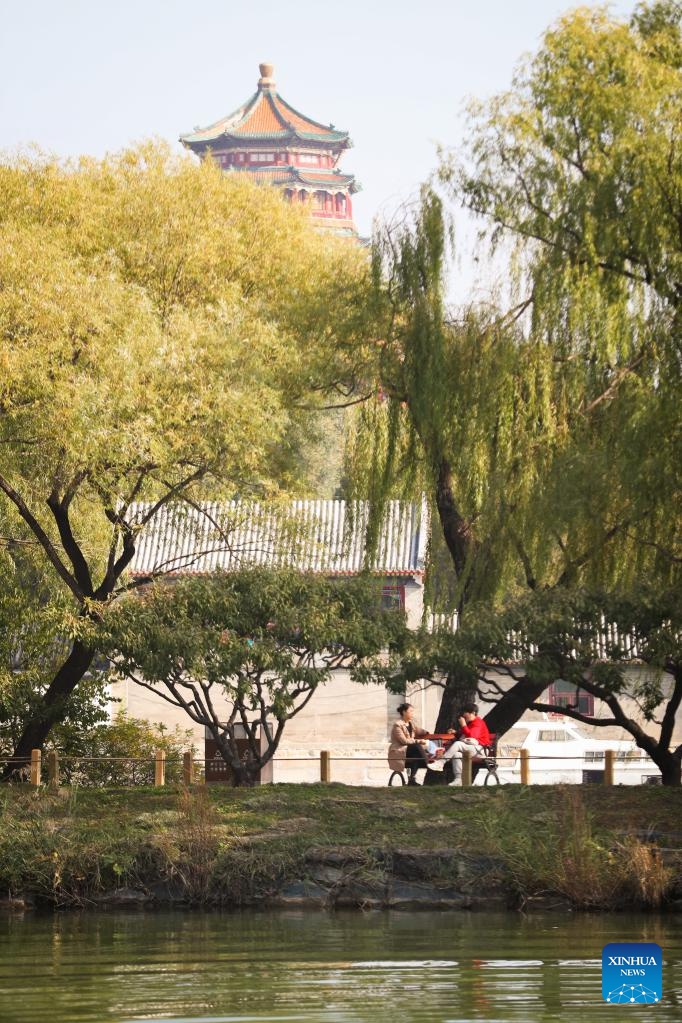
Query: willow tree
point(463, 412)
point(162, 324)
point(549, 436)
point(579, 168)
point(580, 159)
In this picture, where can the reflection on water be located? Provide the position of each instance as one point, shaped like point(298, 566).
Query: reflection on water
point(341, 968)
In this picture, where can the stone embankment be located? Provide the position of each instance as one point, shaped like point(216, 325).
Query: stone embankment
point(405, 879)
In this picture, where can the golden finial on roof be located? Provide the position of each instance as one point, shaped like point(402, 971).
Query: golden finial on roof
point(266, 81)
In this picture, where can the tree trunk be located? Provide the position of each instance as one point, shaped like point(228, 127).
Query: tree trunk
point(460, 688)
point(245, 776)
point(51, 709)
point(243, 772)
point(670, 766)
point(510, 707)
point(456, 530)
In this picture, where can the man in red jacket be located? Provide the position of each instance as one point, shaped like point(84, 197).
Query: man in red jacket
point(473, 736)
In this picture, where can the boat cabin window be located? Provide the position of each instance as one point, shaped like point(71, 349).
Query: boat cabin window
point(554, 735)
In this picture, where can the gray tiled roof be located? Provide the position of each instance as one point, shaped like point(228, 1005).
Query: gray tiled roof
point(316, 536)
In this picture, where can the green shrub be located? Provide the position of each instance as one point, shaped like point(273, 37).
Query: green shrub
point(123, 753)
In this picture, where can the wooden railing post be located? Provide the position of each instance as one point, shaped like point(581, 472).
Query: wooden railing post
point(525, 766)
point(160, 768)
point(609, 766)
point(325, 766)
point(53, 768)
point(35, 766)
point(466, 767)
point(188, 767)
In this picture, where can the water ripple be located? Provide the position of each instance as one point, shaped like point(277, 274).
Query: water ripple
point(341, 968)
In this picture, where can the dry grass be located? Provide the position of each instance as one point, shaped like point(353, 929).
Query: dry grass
point(564, 851)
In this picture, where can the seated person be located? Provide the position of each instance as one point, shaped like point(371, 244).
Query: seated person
point(407, 749)
point(473, 736)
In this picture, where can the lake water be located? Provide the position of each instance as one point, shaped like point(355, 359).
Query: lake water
point(340, 968)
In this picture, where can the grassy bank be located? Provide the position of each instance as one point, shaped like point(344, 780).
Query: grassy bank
point(592, 846)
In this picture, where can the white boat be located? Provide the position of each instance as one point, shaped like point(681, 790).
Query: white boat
point(560, 752)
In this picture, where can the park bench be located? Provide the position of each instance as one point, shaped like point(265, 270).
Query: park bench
point(486, 761)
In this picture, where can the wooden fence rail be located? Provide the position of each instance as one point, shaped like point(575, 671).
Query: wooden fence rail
point(325, 766)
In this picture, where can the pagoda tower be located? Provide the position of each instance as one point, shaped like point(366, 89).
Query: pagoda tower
point(275, 144)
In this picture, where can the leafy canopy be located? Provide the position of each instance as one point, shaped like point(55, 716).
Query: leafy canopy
point(549, 435)
point(244, 652)
point(579, 167)
point(161, 323)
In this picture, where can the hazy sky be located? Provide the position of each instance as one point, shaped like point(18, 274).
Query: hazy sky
point(87, 76)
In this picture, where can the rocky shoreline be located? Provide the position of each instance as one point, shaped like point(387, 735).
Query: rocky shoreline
point(327, 847)
point(404, 880)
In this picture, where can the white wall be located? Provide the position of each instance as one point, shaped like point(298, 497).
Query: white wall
point(351, 721)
